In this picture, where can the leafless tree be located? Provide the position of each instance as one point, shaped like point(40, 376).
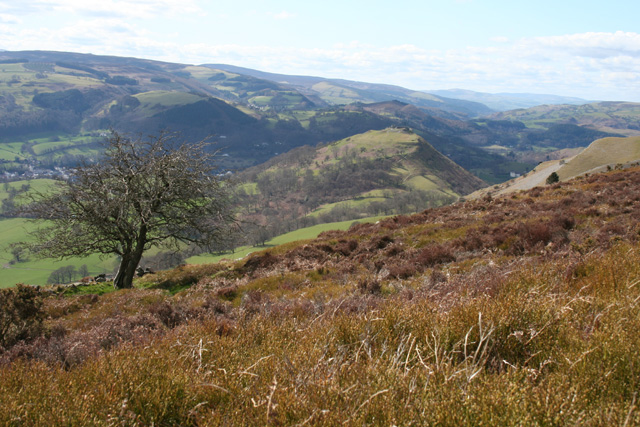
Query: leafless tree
point(144, 192)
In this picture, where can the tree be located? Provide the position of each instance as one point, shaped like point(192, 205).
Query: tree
point(143, 193)
point(83, 271)
point(63, 274)
point(553, 178)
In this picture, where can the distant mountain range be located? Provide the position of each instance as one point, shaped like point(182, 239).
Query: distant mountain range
point(507, 101)
point(55, 106)
point(339, 91)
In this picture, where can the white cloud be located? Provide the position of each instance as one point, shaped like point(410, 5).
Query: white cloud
point(104, 8)
point(6, 18)
point(283, 15)
point(528, 65)
point(587, 65)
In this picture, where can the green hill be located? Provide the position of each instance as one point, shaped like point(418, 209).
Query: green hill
point(342, 92)
point(618, 117)
point(382, 172)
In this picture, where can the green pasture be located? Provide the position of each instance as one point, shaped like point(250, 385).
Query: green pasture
point(335, 94)
point(201, 73)
point(167, 98)
point(261, 100)
point(152, 101)
point(40, 185)
point(424, 183)
point(43, 148)
point(36, 271)
point(356, 202)
point(306, 233)
point(11, 150)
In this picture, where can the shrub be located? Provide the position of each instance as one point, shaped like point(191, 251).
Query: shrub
point(553, 178)
point(21, 315)
point(435, 254)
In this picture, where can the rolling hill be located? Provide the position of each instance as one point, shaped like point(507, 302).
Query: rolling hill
point(339, 91)
point(507, 101)
point(617, 117)
point(56, 106)
point(382, 172)
point(601, 155)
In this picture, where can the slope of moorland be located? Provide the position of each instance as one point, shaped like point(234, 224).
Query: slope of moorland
point(602, 154)
point(520, 310)
point(375, 173)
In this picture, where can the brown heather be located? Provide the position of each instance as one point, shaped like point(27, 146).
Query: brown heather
point(517, 311)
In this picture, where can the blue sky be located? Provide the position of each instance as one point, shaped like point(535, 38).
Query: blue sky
point(589, 49)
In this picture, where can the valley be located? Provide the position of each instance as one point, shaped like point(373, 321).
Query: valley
point(394, 257)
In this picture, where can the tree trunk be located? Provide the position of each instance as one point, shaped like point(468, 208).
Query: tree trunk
point(130, 261)
point(127, 270)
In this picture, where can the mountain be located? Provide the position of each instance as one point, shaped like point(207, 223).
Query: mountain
point(507, 101)
point(617, 117)
point(341, 92)
point(382, 172)
point(57, 106)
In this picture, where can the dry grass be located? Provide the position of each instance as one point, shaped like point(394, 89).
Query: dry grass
point(538, 327)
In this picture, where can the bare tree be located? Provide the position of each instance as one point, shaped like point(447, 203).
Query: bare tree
point(144, 192)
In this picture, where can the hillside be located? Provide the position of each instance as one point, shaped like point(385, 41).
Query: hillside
point(514, 311)
point(507, 101)
point(618, 117)
point(55, 107)
point(375, 173)
point(603, 154)
point(340, 91)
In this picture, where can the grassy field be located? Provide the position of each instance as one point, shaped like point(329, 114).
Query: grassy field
point(36, 271)
point(41, 185)
point(11, 150)
point(602, 152)
point(357, 202)
point(297, 235)
point(336, 94)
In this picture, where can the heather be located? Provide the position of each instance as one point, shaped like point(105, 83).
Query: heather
point(510, 311)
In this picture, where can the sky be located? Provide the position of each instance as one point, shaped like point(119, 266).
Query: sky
point(583, 48)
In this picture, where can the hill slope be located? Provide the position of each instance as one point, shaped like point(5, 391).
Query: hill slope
point(600, 155)
point(510, 312)
point(339, 91)
point(375, 173)
point(507, 101)
point(619, 117)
